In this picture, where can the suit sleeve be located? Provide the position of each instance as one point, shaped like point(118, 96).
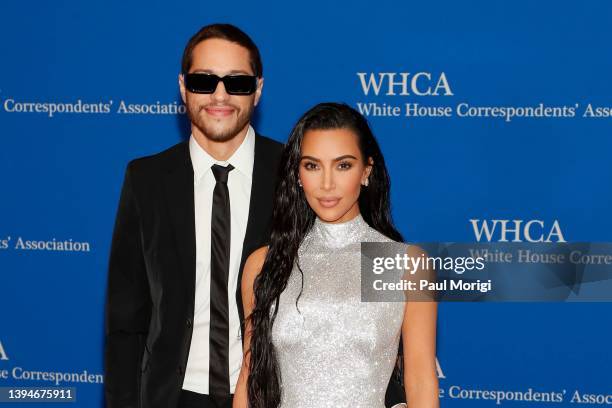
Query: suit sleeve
point(128, 305)
point(395, 390)
point(395, 394)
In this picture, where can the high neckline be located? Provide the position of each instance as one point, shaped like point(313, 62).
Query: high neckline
point(340, 234)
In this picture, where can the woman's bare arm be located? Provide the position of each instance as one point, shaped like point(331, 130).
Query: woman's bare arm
point(252, 267)
point(419, 344)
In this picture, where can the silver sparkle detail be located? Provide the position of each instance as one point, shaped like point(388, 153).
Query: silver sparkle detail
point(334, 350)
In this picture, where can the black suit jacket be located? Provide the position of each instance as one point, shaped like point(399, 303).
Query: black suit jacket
point(151, 284)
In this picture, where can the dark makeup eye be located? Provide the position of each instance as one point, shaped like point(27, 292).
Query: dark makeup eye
point(308, 165)
point(345, 165)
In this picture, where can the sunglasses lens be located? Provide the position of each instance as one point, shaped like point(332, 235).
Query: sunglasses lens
point(240, 84)
point(201, 83)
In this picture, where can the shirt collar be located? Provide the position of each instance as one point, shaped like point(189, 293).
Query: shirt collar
point(242, 159)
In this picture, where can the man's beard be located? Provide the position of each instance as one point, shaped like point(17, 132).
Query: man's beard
point(214, 133)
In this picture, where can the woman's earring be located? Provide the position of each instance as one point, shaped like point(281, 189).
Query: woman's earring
point(367, 181)
point(299, 182)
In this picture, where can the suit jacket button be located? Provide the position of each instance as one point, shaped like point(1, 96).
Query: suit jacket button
point(180, 370)
point(189, 323)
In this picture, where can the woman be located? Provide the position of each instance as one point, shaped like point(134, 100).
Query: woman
point(309, 340)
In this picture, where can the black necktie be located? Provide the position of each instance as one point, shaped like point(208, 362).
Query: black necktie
point(219, 386)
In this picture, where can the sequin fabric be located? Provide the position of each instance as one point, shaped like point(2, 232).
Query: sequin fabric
point(334, 350)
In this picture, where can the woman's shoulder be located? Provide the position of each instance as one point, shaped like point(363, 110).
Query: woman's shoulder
point(412, 250)
point(374, 235)
point(258, 255)
point(253, 265)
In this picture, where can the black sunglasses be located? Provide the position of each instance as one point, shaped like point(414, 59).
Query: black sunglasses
point(207, 83)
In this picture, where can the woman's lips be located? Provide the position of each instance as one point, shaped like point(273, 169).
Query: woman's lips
point(328, 202)
point(219, 111)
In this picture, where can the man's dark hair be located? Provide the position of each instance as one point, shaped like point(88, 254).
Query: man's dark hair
point(226, 32)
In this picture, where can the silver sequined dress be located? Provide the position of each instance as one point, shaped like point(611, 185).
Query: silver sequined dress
point(334, 350)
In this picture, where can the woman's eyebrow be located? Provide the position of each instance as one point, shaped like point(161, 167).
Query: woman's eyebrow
point(346, 156)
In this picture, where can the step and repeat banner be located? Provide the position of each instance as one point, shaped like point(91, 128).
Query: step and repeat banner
point(495, 119)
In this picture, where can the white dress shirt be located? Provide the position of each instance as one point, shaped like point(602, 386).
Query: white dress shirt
point(239, 186)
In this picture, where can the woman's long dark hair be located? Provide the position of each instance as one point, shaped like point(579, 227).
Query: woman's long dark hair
point(292, 218)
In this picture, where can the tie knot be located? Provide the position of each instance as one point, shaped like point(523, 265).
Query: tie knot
point(221, 172)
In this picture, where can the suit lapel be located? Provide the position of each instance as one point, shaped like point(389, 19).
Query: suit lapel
point(252, 220)
point(178, 191)
point(262, 191)
point(178, 187)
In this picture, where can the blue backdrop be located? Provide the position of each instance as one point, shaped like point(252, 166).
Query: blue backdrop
point(524, 90)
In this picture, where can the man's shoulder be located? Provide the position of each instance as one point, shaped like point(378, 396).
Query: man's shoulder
point(269, 142)
point(272, 147)
point(160, 162)
point(178, 154)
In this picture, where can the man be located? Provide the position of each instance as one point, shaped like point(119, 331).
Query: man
point(187, 220)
